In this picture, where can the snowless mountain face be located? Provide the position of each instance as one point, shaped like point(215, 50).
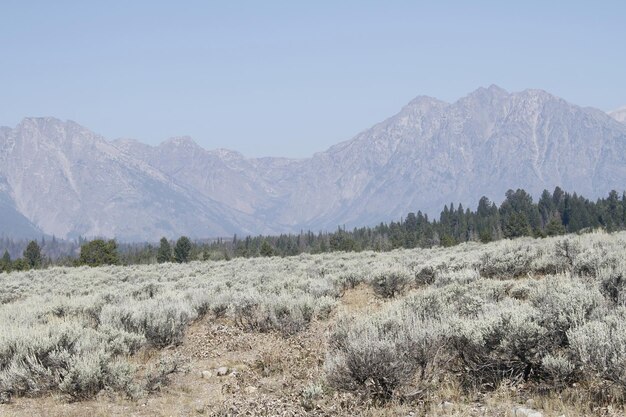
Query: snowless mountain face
point(68, 181)
point(619, 114)
point(433, 153)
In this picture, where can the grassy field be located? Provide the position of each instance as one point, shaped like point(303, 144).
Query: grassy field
point(504, 328)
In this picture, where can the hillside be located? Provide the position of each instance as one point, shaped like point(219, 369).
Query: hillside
point(69, 181)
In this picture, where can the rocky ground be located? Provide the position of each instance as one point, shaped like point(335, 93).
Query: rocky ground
point(225, 371)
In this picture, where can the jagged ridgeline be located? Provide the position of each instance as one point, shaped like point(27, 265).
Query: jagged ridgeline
point(61, 179)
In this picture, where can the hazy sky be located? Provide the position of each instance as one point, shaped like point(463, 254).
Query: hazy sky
point(291, 78)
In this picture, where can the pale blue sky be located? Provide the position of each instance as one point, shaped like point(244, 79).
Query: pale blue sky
point(289, 78)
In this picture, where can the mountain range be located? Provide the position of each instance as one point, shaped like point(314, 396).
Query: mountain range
point(59, 178)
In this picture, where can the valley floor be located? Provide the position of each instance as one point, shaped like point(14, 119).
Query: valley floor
point(225, 368)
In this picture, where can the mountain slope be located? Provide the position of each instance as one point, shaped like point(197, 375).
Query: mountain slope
point(12, 223)
point(223, 175)
point(429, 154)
point(433, 153)
point(69, 181)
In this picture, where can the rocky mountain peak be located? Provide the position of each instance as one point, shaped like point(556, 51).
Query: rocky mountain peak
point(227, 154)
point(619, 114)
point(534, 95)
point(50, 124)
point(492, 91)
point(424, 102)
point(53, 130)
point(180, 142)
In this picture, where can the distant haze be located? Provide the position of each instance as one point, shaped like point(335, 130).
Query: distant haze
point(292, 78)
point(61, 178)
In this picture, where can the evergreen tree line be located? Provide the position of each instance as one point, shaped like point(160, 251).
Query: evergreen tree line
point(53, 251)
point(553, 214)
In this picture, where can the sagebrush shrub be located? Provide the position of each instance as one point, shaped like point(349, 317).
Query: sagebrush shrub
point(390, 284)
point(161, 321)
point(612, 282)
point(558, 368)
point(510, 262)
point(349, 281)
point(425, 276)
point(309, 394)
point(367, 359)
point(380, 356)
point(567, 250)
point(158, 376)
point(462, 276)
point(85, 377)
point(564, 303)
point(506, 341)
point(600, 347)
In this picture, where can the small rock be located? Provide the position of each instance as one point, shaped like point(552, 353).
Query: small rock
point(526, 412)
point(447, 405)
point(205, 374)
point(250, 389)
point(530, 403)
point(222, 371)
point(199, 408)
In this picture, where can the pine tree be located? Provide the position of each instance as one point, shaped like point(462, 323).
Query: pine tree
point(98, 252)
point(555, 227)
point(182, 250)
point(20, 265)
point(516, 225)
point(164, 253)
point(32, 254)
point(266, 249)
point(546, 207)
point(5, 263)
point(623, 209)
point(485, 236)
point(613, 211)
